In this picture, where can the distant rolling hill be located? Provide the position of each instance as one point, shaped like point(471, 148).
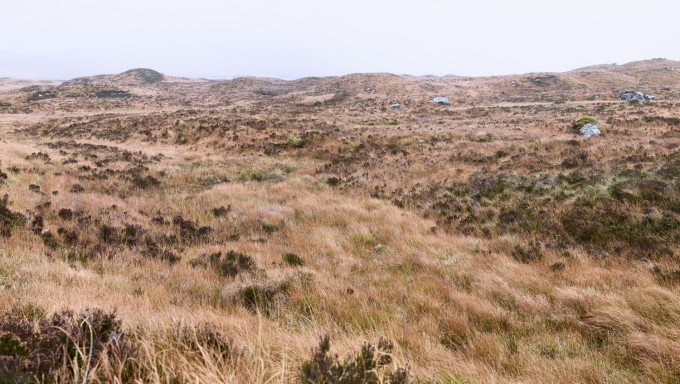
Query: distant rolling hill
point(588, 83)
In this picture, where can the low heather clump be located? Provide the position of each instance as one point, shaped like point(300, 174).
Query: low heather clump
point(8, 218)
point(55, 348)
point(369, 366)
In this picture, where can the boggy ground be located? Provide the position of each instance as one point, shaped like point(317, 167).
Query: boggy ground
point(231, 225)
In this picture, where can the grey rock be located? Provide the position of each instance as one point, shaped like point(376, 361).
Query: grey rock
point(635, 96)
point(544, 80)
point(590, 129)
point(441, 100)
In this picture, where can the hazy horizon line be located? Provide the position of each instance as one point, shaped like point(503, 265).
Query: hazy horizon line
point(294, 78)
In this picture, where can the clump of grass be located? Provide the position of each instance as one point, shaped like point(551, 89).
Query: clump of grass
point(482, 138)
point(381, 121)
point(296, 142)
point(77, 256)
point(293, 260)
point(456, 333)
point(580, 123)
point(181, 139)
point(262, 175)
point(369, 366)
point(277, 172)
point(28, 311)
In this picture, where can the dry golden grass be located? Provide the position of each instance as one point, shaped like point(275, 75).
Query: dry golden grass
point(380, 260)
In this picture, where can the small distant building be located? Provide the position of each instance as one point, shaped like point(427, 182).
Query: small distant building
point(441, 100)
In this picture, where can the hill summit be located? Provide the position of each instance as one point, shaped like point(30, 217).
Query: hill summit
point(140, 76)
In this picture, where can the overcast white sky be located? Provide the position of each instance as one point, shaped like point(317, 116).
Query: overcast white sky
point(48, 39)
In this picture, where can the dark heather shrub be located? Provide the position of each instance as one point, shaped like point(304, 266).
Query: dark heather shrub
point(257, 298)
point(189, 230)
point(333, 181)
point(293, 260)
point(50, 348)
point(234, 263)
point(221, 211)
point(206, 336)
point(37, 224)
point(145, 182)
point(526, 254)
point(670, 277)
point(77, 188)
point(9, 219)
point(65, 214)
point(108, 234)
point(369, 366)
point(49, 240)
point(229, 265)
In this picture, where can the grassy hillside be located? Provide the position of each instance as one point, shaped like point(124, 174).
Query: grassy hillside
point(173, 236)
